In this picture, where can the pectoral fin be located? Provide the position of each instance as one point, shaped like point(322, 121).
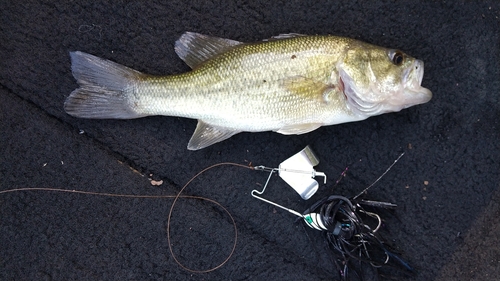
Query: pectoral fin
point(206, 135)
point(307, 87)
point(299, 129)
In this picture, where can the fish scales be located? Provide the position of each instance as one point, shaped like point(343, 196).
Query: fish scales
point(290, 84)
point(261, 71)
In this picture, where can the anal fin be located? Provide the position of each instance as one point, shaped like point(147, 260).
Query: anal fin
point(206, 135)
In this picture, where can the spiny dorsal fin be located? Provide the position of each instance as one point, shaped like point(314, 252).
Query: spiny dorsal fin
point(284, 36)
point(206, 135)
point(194, 48)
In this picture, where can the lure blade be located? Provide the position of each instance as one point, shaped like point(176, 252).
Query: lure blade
point(298, 171)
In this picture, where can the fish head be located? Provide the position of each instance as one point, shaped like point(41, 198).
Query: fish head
point(378, 80)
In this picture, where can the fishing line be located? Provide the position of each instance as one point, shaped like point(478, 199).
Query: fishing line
point(351, 240)
point(234, 223)
point(175, 197)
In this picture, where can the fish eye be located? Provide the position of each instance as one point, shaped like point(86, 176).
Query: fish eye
point(398, 57)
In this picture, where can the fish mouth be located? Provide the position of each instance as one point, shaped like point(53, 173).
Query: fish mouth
point(413, 92)
point(371, 101)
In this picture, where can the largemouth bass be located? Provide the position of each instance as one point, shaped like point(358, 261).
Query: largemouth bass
point(290, 84)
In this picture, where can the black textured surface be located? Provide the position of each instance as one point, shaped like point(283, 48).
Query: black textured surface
point(447, 229)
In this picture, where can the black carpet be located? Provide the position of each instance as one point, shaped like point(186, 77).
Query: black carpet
point(447, 185)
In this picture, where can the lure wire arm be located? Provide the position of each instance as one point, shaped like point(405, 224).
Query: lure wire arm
point(255, 192)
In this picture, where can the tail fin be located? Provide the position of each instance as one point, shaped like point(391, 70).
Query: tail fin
point(106, 89)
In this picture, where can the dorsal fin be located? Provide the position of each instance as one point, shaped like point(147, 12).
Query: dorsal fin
point(284, 36)
point(194, 48)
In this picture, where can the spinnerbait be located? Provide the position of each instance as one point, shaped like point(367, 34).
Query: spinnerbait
point(350, 225)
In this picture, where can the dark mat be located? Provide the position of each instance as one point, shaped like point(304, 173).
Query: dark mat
point(447, 185)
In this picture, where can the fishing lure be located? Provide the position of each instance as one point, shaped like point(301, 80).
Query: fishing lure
point(350, 224)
